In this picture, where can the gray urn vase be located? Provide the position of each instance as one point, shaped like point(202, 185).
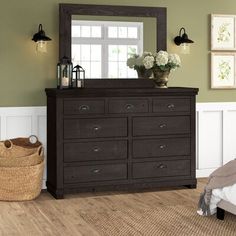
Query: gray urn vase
point(143, 73)
point(160, 78)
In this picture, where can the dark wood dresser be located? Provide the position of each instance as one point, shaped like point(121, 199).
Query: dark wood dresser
point(120, 138)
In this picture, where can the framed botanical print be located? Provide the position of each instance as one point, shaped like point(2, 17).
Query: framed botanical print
point(223, 32)
point(223, 70)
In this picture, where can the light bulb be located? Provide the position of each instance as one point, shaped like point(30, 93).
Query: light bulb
point(184, 48)
point(41, 46)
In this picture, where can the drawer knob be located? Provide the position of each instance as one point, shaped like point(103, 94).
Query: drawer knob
point(129, 106)
point(162, 146)
point(171, 106)
point(162, 126)
point(95, 171)
point(96, 128)
point(96, 149)
point(84, 108)
point(161, 166)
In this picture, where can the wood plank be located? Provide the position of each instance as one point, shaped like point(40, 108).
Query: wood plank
point(47, 216)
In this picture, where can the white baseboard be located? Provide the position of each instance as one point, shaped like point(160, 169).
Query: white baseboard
point(204, 172)
point(215, 129)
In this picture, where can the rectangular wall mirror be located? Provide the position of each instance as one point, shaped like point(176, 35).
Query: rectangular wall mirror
point(100, 38)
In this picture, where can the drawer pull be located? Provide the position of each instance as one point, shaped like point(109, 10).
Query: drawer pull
point(96, 149)
point(162, 126)
point(162, 166)
point(171, 106)
point(84, 108)
point(129, 106)
point(162, 146)
point(96, 171)
point(96, 128)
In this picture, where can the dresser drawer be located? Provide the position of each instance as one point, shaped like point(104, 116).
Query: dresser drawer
point(95, 128)
point(88, 151)
point(171, 104)
point(161, 169)
point(161, 125)
point(128, 105)
point(95, 173)
point(73, 107)
point(161, 147)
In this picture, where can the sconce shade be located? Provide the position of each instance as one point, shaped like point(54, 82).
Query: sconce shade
point(182, 38)
point(40, 35)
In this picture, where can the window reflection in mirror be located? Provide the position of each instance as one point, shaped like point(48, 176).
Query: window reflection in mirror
point(102, 47)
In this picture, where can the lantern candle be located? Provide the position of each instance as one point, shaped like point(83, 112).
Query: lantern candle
point(65, 81)
point(79, 84)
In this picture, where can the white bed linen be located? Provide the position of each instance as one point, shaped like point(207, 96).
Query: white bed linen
point(226, 193)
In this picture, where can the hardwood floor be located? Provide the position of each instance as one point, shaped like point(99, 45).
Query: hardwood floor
point(47, 216)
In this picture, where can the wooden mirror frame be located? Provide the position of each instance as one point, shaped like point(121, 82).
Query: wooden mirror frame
point(67, 10)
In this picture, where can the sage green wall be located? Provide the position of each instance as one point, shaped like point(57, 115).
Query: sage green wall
point(24, 75)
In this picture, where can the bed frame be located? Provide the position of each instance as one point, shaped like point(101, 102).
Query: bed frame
point(224, 206)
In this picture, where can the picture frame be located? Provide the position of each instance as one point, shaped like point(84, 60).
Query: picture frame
point(223, 66)
point(223, 32)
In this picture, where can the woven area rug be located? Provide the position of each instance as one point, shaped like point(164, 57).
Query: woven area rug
point(163, 221)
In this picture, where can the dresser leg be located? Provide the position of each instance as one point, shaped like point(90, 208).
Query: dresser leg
point(59, 196)
point(56, 193)
point(191, 186)
point(220, 213)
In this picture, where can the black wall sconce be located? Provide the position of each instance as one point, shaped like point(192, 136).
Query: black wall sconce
point(183, 41)
point(41, 40)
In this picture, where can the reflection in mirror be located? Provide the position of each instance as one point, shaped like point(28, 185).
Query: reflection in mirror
point(100, 38)
point(103, 45)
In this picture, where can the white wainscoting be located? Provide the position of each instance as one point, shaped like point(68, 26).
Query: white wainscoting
point(215, 129)
point(23, 122)
point(216, 136)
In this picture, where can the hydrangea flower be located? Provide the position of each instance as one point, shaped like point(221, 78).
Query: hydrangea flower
point(148, 62)
point(161, 61)
point(139, 61)
point(161, 58)
point(131, 62)
point(174, 59)
point(147, 54)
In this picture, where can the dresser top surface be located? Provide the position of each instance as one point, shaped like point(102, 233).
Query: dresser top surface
point(120, 92)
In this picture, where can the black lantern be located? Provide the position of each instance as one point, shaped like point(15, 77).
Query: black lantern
point(79, 76)
point(64, 73)
point(41, 40)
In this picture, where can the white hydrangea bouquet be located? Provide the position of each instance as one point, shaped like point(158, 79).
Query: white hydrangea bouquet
point(155, 66)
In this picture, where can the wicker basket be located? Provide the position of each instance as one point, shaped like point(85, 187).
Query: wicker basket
point(18, 147)
point(30, 142)
point(33, 159)
point(21, 172)
point(21, 183)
